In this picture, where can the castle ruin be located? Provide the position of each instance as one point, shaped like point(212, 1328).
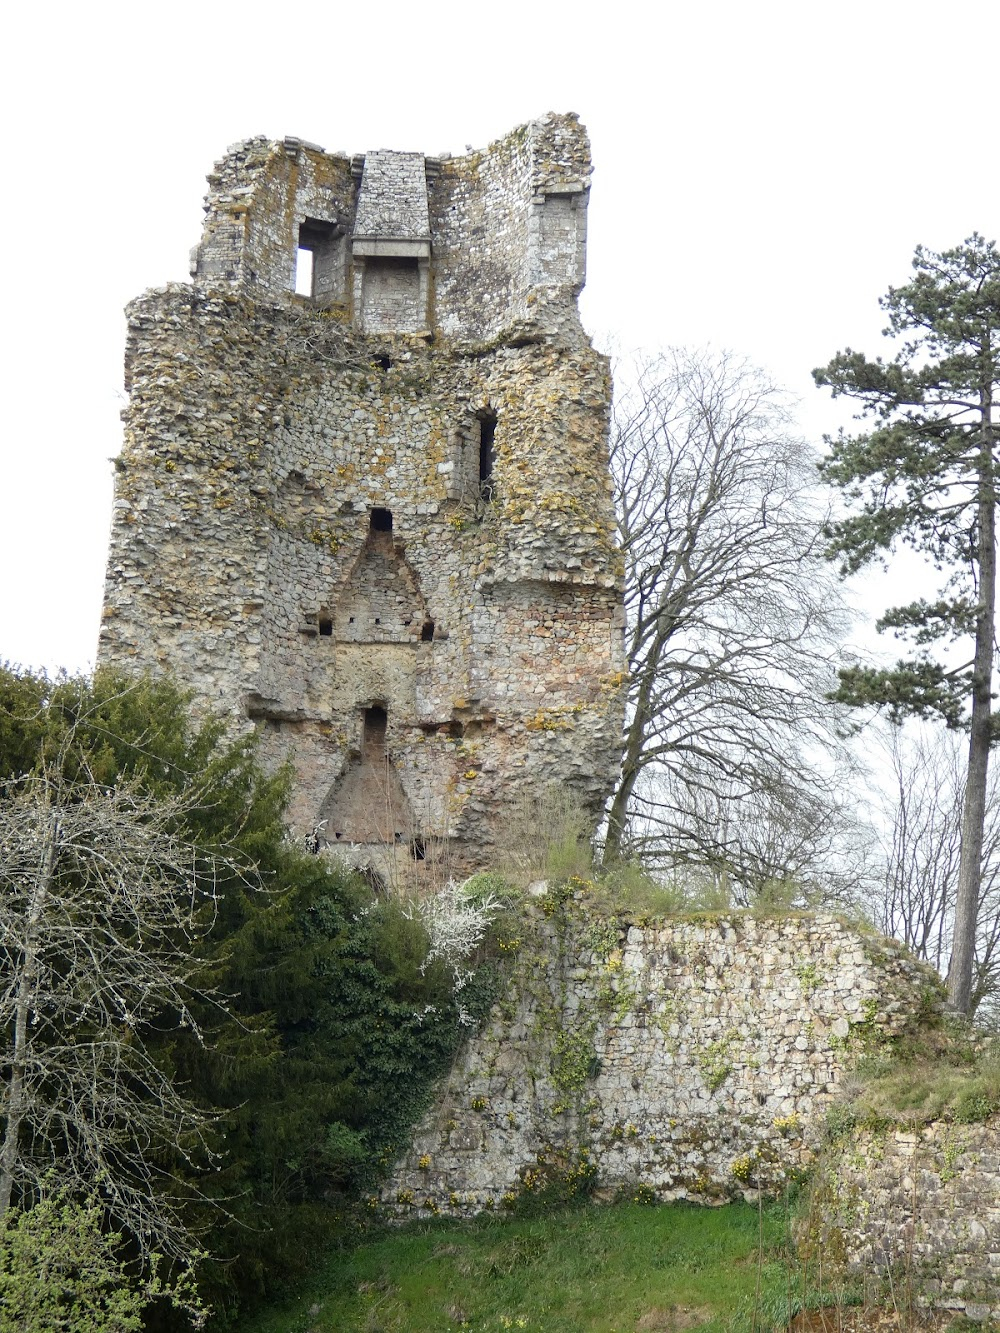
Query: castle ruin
point(363, 501)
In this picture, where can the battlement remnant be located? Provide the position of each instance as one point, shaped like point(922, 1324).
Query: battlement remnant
point(363, 501)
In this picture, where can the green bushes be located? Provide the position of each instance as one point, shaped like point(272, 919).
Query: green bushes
point(332, 1029)
point(61, 1269)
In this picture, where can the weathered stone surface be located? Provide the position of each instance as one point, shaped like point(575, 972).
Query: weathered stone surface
point(925, 1202)
point(383, 508)
point(694, 1058)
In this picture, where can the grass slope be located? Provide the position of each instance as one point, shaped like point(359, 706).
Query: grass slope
point(582, 1270)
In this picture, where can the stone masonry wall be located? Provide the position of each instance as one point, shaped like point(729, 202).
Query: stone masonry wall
point(925, 1202)
point(694, 1059)
point(303, 530)
point(508, 224)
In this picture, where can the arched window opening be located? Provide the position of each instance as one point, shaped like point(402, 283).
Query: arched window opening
point(376, 720)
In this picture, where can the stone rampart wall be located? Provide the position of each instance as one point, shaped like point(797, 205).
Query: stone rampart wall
point(924, 1203)
point(693, 1058)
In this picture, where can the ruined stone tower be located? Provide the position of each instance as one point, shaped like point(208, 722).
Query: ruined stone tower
point(363, 500)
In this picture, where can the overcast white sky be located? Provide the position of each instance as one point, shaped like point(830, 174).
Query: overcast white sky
point(763, 172)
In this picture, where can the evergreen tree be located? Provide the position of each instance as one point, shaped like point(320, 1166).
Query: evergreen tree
point(925, 476)
point(331, 1030)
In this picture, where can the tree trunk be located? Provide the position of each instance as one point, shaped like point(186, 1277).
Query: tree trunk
point(974, 810)
point(26, 997)
point(635, 740)
point(617, 816)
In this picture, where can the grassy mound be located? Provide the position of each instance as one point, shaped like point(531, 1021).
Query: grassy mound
point(942, 1070)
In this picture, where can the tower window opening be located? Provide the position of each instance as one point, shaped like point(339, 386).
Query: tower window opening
point(381, 520)
point(319, 260)
point(487, 454)
point(304, 271)
point(418, 849)
point(427, 631)
point(326, 627)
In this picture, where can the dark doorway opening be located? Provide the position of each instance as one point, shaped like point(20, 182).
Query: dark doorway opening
point(376, 720)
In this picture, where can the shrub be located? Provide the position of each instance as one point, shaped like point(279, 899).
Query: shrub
point(545, 835)
point(60, 1269)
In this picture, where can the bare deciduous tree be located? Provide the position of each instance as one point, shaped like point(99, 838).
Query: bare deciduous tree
point(732, 615)
point(922, 849)
point(782, 842)
point(101, 906)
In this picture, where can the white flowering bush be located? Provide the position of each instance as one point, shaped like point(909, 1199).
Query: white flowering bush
point(456, 927)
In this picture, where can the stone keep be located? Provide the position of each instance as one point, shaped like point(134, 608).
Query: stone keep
point(363, 501)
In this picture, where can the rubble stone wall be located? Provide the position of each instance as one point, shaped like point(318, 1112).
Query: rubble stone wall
point(308, 523)
point(507, 223)
point(924, 1202)
point(690, 1059)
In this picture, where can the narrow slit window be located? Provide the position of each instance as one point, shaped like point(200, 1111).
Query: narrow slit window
point(303, 271)
point(487, 455)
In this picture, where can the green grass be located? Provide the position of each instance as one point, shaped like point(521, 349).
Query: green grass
point(581, 1270)
point(936, 1073)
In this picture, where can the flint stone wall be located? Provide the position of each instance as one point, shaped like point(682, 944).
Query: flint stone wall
point(303, 531)
point(694, 1058)
point(507, 224)
point(924, 1202)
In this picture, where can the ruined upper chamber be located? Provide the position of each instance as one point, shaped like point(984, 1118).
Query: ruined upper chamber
point(363, 501)
point(469, 247)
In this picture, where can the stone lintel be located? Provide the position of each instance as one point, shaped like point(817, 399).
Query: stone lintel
point(385, 247)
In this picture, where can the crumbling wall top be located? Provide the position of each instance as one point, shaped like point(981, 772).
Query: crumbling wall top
point(484, 247)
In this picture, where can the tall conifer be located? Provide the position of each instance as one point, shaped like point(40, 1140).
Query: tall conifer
point(925, 476)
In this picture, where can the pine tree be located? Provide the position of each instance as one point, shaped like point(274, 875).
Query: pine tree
point(925, 477)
